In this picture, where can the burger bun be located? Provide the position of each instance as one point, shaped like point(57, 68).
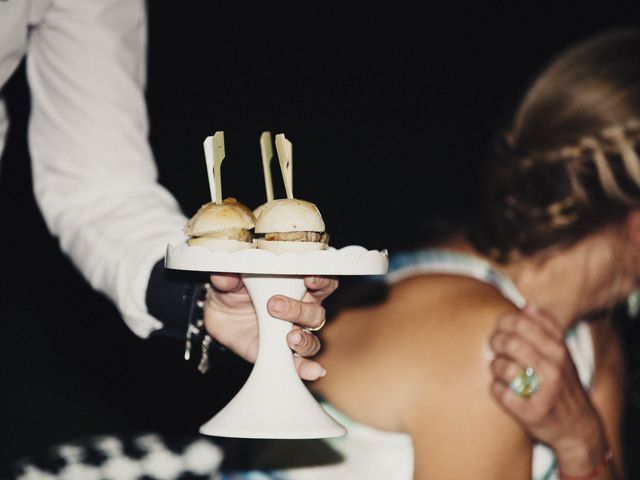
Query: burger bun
point(216, 244)
point(213, 217)
point(288, 215)
point(279, 246)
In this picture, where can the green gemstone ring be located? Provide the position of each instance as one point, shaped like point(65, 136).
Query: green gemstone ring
point(525, 383)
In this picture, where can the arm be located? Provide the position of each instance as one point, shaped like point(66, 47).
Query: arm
point(560, 413)
point(94, 175)
point(608, 388)
point(95, 179)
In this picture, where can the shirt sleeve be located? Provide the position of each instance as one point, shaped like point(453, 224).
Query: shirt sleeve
point(94, 176)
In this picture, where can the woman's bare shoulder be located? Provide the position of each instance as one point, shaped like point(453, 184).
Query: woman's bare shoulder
point(447, 303)
point(447, 378)
point(428, 325)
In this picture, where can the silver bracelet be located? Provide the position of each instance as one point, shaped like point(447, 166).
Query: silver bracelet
point(195, 329)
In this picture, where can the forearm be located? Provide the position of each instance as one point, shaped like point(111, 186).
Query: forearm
point(586, 468)
point(94, 175)
point(587, 455)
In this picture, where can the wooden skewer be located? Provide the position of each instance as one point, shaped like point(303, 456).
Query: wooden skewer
point(208, 156)
point(218, 157)
point(267, 154)
point(285, 157)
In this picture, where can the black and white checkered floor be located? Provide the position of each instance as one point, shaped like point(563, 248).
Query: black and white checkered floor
point(145, 456)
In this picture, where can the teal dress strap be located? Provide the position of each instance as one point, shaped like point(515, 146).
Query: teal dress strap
point(408, 263)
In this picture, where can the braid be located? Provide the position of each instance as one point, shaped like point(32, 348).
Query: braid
point(574, 171)
point(624, 141)
point(605, 173)
point(553, 197)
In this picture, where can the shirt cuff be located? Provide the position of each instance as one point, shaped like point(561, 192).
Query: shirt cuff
point(171, 297)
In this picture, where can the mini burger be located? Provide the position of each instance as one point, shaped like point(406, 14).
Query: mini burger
point(290, 225)
point(225, 226)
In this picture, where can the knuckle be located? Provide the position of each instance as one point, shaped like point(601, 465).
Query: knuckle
point(325, 283)
point(523, 326)
point(318, 283)
point(510, 370)
point(498, 341)
point(309, 344)
point(513, 344)
point(300, 342)
point(315, 348)
point(520, 324)
point(305, 342)
point(499, 366)
point(506, 397)
point(296, 311)
point(495, 365)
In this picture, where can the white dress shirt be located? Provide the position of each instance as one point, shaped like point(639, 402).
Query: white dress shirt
point(94, 176)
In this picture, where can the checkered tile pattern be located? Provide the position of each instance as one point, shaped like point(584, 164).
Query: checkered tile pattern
point(147, 456)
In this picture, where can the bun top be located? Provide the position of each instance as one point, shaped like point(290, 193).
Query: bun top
point(213, 217)
point(289, 215)
point(234, 201)
point(258, 210)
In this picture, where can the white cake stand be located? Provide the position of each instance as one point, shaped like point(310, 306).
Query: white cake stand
point(274, 402)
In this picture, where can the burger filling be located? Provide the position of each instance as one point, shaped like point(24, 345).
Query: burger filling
point(304, 236)
point(239, 234)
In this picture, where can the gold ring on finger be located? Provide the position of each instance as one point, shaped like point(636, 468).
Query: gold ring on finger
point(319, 327)
point(525, 383)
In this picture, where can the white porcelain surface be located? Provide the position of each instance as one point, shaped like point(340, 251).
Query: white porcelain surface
point(351, 260)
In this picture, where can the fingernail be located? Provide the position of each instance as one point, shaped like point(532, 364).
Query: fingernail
point(295, 338)
point(323, 372)
point(532, 308)
point(315, 280)
point(278, 305)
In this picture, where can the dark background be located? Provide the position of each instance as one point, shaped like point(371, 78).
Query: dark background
point(390, 110)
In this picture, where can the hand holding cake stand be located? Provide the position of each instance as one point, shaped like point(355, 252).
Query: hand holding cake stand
point(274, 402)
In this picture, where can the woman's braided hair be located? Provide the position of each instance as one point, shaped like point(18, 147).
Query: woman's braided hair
point(570, 164)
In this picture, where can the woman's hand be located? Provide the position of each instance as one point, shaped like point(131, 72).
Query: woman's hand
point(230, 318)
point(559, 412)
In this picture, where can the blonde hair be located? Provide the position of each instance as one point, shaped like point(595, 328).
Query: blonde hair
point(569, 164)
